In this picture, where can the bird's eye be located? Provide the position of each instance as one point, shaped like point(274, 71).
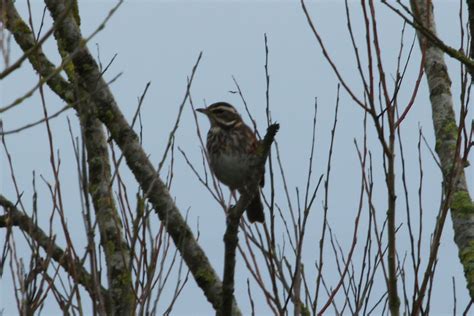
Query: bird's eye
point(218, 111)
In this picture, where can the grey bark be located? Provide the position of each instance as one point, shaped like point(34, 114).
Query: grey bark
point(446, 132)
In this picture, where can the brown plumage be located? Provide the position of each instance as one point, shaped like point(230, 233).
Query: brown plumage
point(231, 147)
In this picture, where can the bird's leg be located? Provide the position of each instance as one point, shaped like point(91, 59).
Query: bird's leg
point(229, 206)
point(231, 195)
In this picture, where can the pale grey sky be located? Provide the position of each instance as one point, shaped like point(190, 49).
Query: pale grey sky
point(160, 41)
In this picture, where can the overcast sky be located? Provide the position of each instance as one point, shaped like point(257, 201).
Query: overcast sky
point(160, 41)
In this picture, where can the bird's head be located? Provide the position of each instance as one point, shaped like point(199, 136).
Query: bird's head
point(222, 114)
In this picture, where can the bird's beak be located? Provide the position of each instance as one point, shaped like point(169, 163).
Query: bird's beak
point(202, 110)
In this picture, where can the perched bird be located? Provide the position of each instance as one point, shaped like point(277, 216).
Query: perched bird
point(232, 151)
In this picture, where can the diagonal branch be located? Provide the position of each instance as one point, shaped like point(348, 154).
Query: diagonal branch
point(15, 217)
point(25, 39)
point(430, 34)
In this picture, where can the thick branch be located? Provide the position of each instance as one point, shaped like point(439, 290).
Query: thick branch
point(116, 250)
point(25, 39)
point(446, 132)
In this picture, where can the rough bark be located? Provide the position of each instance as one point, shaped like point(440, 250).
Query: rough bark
point(116, 250)
point(446, 132)
point(25, 39)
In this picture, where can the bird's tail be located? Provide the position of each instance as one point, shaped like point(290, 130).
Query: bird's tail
point(255, 210)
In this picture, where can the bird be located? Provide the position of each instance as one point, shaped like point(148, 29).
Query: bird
point(232, 151)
